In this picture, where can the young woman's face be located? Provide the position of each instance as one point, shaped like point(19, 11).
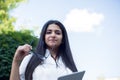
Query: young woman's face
point(53, 36)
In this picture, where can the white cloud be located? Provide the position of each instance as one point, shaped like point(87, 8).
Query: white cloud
point(82, 20)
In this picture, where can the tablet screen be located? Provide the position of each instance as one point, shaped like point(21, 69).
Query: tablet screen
point(73, 76)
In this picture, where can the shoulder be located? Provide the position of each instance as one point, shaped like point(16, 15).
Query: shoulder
point(24, 64)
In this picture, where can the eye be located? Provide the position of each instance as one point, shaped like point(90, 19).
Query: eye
point(58, 32)
point(48, 32)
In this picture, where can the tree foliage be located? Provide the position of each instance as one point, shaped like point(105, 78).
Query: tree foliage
point(8, 44)
point(9, 38)
point(6, 21)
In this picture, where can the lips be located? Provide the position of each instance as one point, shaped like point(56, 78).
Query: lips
point(52, 40)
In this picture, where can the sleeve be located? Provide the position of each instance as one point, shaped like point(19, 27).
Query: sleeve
point(23, 66)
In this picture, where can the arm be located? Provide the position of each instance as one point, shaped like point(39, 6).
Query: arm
point(15, 71)
point(20, 53)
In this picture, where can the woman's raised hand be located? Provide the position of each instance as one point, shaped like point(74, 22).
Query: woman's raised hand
point(21, 52)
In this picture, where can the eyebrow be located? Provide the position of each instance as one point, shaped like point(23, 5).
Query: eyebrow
point(55, 30)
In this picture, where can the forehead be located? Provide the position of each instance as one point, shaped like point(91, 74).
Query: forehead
point(53, 27)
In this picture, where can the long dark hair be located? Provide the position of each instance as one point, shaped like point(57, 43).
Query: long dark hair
point(64, 50)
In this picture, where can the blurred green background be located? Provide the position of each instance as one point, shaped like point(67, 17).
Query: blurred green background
point(10, 39)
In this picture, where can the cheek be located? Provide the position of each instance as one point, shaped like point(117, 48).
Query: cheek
point(60, 40)
point(46, 37)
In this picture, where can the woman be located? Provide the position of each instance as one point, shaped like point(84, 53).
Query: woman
point(51, 59)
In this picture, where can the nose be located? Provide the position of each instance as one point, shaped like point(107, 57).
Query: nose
point(53, 34)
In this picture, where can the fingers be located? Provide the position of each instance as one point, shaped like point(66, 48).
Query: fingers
point(21, 52)
point(26, 47)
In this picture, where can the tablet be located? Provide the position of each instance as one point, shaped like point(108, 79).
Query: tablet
point(73, 76)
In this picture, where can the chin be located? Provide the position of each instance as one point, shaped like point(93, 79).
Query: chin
point(52, 46)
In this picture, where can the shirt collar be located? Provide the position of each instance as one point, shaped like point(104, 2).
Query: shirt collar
point(49, 59)
point(47, 53)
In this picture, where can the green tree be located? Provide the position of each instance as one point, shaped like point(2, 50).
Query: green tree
point(9, 38)
point(8, 44)
point(6, 21)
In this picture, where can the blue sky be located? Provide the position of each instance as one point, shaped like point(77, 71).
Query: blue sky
point(93, 29)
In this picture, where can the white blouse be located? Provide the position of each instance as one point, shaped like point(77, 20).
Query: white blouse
point(47, 71)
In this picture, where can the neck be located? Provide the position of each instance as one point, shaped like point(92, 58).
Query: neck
point(53, 52)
